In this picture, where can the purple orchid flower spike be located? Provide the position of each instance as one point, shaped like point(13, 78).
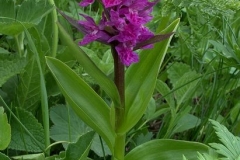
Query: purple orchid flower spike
point(122, 26)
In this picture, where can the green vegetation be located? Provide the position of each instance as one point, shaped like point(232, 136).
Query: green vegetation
point(58, 101)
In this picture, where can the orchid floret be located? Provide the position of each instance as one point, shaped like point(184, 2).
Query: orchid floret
point(122, 25)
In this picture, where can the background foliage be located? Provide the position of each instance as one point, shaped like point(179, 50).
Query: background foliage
point(198, 81)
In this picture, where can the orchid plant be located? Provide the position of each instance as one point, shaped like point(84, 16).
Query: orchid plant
point(123, 28)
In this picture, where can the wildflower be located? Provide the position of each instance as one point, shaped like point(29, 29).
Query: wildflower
point(122, 25)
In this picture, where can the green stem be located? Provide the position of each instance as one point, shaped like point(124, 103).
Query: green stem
point(120, 83)
point(19, 42)
point(119, 147)
point(171, 124)
point(54, 30)
point(44, 98)
point(101, 141)
point(119, 79)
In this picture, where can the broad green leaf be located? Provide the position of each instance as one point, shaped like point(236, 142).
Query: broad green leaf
point(40, 41)
point(28, 91)
point(33, 11)
point(3, 51)
point(234, 113)
point(85, 102)
point(80, 149)
point(4, 157)
point(8, 89)
point(158, 113)
point(211, 156)
point(224, 51)
point(105, 83)
point(10, 65)
point(186, 122)
point(164, 149)
point(150, 109)
point(39, 156)
point(29, 13)
point(98, 148)
point(165, 91)
point(7, 9)
point(176, 71)
point(143, 138)
point(105, 64)
point(186, 86)
point(231, 143)
point(21, 140)
point(175, 120)
point(61, 155)
point(141, 79)
point(5, 131)
point(152, 112)
point(69, 127)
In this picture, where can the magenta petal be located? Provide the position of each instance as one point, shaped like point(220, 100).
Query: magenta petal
point(116, 20)
point(88, 25)
point(103, 22)
point(111, 3)
point(89, 19)
point(139, 5)
point(85, 3)
point(145, 34)
point(96, 35)
point(135, 19)
point(103, 37)
point(126, 55)
point(88, 39)
point(126, 3)
point(130, 33)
